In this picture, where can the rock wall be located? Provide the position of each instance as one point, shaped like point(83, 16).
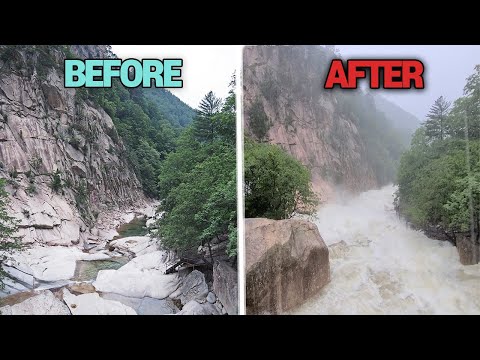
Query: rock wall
point(287, 262)
point(468, 251)
point(46, 129)
point(225, 286)
point(285, 104)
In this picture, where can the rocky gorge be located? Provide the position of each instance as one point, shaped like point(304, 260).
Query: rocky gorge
point(123, 276)
point(77, 189)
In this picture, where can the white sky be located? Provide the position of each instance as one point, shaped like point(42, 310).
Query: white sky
point(209, 67)
point(446, 70)
point(205, 67)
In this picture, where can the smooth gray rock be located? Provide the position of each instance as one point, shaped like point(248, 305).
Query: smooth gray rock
point(93, 304)
point(211, 298)
point(195, 308)
point(45, 303)
point(193, 287)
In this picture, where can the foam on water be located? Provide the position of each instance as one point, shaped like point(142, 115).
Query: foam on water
point(380, 266)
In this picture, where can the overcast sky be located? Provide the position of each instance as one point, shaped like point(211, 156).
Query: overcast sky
point(446, 69)
point(209, 67)
point(205, 67)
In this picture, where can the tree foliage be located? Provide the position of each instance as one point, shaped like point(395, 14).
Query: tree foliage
point(435, 125)
point(197, 181)
point(209, 105)
point(439, 177)
point(277, 186)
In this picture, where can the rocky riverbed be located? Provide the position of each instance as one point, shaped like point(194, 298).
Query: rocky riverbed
point(115, 275)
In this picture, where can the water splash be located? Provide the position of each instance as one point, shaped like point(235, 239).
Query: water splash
point(380, 266)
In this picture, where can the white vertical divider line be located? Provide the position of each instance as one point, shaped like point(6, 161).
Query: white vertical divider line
point(240, 196)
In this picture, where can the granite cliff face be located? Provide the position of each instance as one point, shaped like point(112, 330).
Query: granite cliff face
point(62, 157)
point(285, 104)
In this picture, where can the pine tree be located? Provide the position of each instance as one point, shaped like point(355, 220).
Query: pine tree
point(209, 105)
point(204, 124)
point(435, 125)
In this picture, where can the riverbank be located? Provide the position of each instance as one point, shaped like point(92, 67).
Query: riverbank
point(111, 274)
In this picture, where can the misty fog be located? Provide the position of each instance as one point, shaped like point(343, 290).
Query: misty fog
point(446, 68)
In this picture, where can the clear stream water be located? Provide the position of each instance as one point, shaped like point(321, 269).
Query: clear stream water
point(88, 270)
point(380, 266)
point(136, 227)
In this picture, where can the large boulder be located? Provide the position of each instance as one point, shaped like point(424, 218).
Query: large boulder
point(150, 261)
point(137, 283)
point(193, 287)
point(141, 277)
point(225, 286)
point(45, 303)
point(286, 263)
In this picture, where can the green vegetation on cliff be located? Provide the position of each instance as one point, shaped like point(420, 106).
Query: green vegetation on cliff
point(8, 227)
point(439, 177)
point(197, 181)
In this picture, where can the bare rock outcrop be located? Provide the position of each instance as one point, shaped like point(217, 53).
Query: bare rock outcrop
point(225, 286)
point(61, 154)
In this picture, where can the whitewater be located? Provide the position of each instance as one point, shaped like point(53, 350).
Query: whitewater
point(381, 266)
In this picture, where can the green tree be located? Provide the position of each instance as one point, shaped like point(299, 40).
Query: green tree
point(8, 228)
point(439, 180)
point(219, 213)
point(197, 181)
point(436, 119)
point(464, 118)
point(195, 211)
point(56, 183)
point(277, 186)
point(206, 123)
point(209, 105)
point(464, 199)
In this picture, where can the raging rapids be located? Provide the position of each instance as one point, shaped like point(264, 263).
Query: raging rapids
point(381, 266)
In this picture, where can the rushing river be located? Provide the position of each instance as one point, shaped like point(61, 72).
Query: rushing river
point(380, 266)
